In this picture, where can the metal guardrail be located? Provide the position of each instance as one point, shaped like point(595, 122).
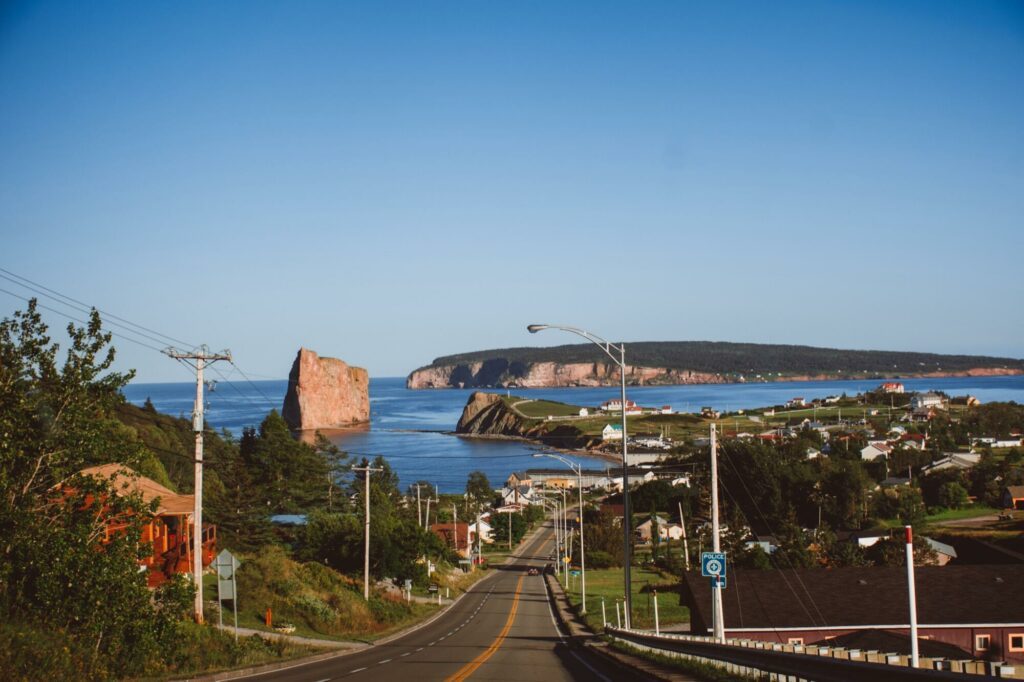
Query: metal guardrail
point(793, 661)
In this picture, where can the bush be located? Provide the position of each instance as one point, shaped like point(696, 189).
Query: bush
point(599, 559)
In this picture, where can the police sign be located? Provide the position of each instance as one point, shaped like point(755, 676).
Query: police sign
point(712, 564)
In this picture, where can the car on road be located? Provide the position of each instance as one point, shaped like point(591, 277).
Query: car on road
point(533, 571)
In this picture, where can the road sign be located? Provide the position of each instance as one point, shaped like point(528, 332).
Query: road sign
point(227, 565)
point(574, 573)
point(566, 559)
point(719, 581)
point(712, 564)
point(433, 587)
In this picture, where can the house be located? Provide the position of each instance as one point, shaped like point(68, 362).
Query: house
point(681, 480)
point(946, 553)
point(873, 451)
point(894, 482)
point(517, 479)
point(520, 495)
point(584, 412)
point(615, 405)
point(978, 608)
point(566, 482)
point(767, 543)
point(666, 409)
point(891, 387)
point(915, 441)
point(831, 399)
point(924, 400)
point(795, 402)
point(168, 534)
point(611, 432)
point(454, 535)
point(709, 413)
point(1006, 443)
point(812, 453)
point(666, 530)
point(952, 460)
point(1013, 497)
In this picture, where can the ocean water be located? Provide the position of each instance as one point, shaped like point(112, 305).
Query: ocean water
point(410, 428)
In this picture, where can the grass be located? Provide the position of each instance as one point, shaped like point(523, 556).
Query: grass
point(606, 583)
point(965, 513)
point(539, 409)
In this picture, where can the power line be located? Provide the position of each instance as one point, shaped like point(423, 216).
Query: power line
point(80, 303)
point(79, 320)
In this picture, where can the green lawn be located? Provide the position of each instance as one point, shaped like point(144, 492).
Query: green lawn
point(607, 584)
point(965, 513)
point(539, 409)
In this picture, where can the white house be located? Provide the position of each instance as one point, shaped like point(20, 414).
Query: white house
point(873, 451)
point(682, 480)
point(666, 409)
point(615, 405)
point(892, 387)
point(611, 432)
point(584, 412)
point(953, 460)
point(812, 453)
point(795, 402)
point(926, 400)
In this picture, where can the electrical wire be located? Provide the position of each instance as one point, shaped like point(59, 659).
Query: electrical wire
point(8, 276)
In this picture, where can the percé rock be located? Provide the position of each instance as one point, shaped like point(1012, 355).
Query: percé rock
point(325, 393)
point(549, 374)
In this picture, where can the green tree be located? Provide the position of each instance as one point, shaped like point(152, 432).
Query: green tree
point(58, 571)
point(479, 489)
point(952, 495)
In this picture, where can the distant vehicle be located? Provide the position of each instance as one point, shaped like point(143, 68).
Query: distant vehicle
point(550, 568)
point(533, 571)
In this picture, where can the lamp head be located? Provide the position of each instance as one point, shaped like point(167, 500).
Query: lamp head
point(534, 328)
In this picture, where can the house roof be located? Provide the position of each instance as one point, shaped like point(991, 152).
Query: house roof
point(128, 480)
point(1015, 490)
point(874, 596)
point(874, 639)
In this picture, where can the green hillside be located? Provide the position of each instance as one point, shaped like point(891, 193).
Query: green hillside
point(742, 358)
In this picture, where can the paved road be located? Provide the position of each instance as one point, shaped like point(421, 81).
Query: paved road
point(503, 630)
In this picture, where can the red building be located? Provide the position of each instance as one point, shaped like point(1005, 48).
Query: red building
point(976, 608)
point(169, 531)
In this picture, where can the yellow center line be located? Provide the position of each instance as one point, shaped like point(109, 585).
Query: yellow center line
point(471, 667)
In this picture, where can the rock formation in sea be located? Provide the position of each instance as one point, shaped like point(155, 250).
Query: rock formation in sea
point(325, 393)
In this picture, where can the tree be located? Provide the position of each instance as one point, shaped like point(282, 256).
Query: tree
point(58, 571)
point(479, 489)
point(952, 495)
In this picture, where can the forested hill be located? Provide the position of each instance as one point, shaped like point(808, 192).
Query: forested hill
point(745, 358)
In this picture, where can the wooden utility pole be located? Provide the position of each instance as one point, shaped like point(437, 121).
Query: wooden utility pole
point(366, 551)
point(197, 360)
point(686, 546)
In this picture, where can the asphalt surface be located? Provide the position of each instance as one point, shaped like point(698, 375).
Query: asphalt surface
point(502, 630)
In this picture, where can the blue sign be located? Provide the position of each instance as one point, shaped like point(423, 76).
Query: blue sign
point(712, 564)
point(718, 581)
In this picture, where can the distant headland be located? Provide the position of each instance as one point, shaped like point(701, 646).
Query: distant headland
point(693, 362)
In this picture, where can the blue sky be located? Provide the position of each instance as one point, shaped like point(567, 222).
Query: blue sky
point(390, 182)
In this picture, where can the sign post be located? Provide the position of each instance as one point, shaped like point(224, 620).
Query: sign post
point(713, 565)
point(227, 565)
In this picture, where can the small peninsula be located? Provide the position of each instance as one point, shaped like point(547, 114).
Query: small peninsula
point(692, 362)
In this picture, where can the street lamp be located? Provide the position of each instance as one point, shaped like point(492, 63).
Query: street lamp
point(608, 347)
point(578, 470)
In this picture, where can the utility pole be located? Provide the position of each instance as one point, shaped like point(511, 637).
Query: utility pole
point(366, 552)
point(716, 591)
point(426, 521)
point(198, 359)
point(419, 509)
point(686, 546)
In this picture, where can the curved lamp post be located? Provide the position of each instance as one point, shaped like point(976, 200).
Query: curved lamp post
point(578, 470)
point(608, 347)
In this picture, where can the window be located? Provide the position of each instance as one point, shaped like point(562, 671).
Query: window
point(1016, 641)
point(982, 642)
point(795, 640)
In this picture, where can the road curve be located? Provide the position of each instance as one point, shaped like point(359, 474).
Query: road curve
point(503, 630)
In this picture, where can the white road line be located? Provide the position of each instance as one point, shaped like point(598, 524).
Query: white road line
point(386, 660)
point(406, 653)
point(419, 650)
point(357, 670)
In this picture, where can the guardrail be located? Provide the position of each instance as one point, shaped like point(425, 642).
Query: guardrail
point(796, 661)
